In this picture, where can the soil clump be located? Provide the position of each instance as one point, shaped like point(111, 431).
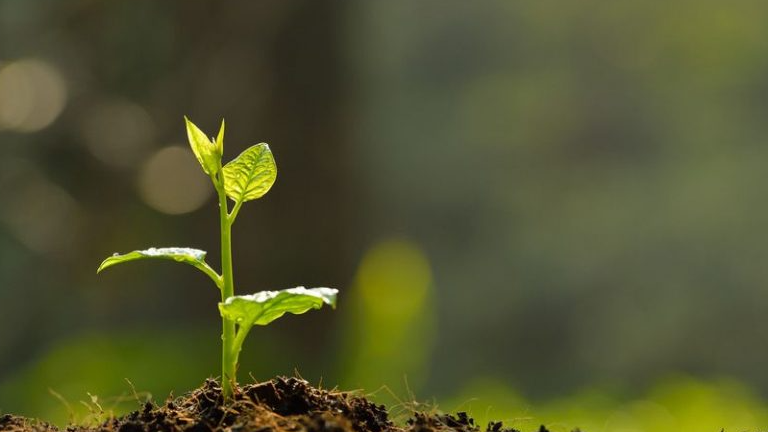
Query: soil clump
point(280, 405)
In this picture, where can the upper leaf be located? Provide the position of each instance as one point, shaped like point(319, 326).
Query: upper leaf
point(251, 174)
point(193, 257)
point(266, 306)
point(220, 139)
point(207, 152)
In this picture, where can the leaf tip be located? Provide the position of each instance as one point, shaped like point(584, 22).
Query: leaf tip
point(191, 126)
point(102, 266)
point(332, 297)
point(220, 138)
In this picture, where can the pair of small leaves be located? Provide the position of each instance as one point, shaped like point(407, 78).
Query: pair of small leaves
point(248, 310)
point(207, 151)
point(247, 177)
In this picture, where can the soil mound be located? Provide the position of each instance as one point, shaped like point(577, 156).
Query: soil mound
point(280, 405)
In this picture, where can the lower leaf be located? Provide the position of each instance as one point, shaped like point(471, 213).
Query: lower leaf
point(264, 307)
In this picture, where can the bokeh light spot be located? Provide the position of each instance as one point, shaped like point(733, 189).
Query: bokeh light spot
point(32, 95)
point(171, 181)
point(394, 331)
point(40, 214)
point(117, 132)
point(394, 278)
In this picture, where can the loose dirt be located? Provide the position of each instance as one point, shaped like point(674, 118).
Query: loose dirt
point(280, 405)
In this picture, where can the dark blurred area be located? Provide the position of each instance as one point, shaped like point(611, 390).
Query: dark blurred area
point(555, 208)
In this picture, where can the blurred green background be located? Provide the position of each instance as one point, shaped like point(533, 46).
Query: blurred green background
point(538, 211)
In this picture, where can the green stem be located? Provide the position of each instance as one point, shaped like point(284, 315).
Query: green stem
point(211, 274)
point(234, 212)
point(228, 356)
point(237, 344)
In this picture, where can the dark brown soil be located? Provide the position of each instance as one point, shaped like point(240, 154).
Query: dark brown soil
point(280, 405)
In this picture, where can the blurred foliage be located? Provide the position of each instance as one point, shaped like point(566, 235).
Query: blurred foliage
point(566, 198)
point(586, 179)
point(674, 403)
point(100, 364)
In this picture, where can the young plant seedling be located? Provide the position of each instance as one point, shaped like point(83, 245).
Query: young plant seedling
point(248, 177)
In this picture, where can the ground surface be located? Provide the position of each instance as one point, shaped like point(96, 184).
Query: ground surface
point(280, 405)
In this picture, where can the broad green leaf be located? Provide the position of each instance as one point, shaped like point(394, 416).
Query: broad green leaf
point(193, 257)
point(266, 306)
point(251, 174)
point(206, 151)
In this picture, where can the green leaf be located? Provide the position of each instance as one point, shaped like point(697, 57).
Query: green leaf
point(266, 306)
point(206, 151)
point(220, 139)
point(251, 174)
point(193, 257)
